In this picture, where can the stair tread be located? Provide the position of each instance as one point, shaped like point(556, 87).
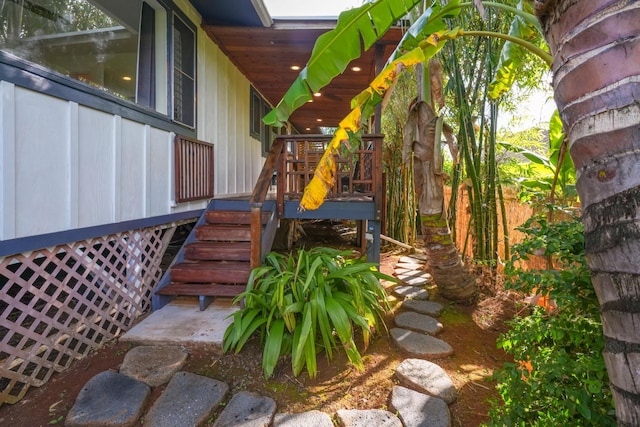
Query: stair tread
point(223, 232)
point(232, 217)
point(204, 289)
point(226, 226)
point(225, 246)
point(212, 265)
point(218, 251)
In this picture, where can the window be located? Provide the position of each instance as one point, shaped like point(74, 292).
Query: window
point(184, 73)
point(259, 108)
point(95, 42)
point(121, 47)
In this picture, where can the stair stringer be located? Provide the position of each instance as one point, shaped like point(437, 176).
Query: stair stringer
point(268, 236)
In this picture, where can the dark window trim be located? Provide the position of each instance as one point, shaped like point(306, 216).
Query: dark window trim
point(258, 108)
point(146, 75)
point(40, 79)
point(177, 14)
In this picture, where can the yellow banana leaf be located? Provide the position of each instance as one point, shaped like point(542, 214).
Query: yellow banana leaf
point(324, 177)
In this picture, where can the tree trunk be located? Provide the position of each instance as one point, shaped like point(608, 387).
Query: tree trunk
point(449, 273)
point(596, 49)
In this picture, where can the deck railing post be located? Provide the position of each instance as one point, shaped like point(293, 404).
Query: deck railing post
point(256, 236)
point(258, 197)
point(377, 177)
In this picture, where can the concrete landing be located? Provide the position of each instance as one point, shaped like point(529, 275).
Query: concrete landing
point(182, 322)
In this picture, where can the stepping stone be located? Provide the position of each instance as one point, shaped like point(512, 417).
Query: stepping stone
point(108, 399)
point(409, 266)
point(419, 410)
point(402, 271)
point(417, 278)
point(188, 400)
point(420, 345)
point(367, 418)
point(418, 322)
point(312, 418)
point(247, 409)
point(414, 258)
point(411, 292)
point(153, 365)
point(427, 377)
point(424, 307)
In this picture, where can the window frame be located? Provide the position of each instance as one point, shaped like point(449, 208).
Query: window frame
point(192, 30)
point(258, 108)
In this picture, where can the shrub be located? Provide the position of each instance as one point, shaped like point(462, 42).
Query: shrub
point(304, 303)
point(559, 377)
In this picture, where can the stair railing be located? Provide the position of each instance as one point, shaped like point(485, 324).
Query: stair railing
point(258, 198)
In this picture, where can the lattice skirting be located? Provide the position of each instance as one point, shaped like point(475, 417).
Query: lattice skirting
point(57, 304)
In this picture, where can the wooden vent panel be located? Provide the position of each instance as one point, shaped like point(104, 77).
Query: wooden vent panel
point(194, 171)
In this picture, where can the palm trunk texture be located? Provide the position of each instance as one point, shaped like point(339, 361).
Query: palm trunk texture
point(449, 273)
point(596, 79)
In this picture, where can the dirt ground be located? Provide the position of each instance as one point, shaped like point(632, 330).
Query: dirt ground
point(471, 330)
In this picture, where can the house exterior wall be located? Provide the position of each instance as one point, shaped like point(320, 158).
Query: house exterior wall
point(69, 164)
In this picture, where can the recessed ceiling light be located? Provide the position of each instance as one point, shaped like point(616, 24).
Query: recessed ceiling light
point(295, 67)
point(318, 120)
point(307, 128)
point(317, 94)
point(126, 78)
point(356, 69)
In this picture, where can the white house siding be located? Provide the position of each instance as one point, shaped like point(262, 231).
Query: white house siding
point(68, 166)
point(223, 118)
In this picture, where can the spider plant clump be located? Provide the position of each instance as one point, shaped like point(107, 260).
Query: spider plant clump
point(308, 302)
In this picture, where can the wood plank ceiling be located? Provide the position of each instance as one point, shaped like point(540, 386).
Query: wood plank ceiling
point(265, 56)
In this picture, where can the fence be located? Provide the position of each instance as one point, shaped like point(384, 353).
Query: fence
point(517, 214)
point(59, 303)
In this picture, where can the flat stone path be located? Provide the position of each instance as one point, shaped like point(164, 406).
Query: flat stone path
point(119, 398)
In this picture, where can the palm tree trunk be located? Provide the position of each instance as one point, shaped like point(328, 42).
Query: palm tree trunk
point(596, 45)
point(449, 273)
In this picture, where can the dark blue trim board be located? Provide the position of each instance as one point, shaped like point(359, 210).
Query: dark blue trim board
point(32, 243)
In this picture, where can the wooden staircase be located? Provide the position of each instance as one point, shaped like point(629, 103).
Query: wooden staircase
point(216, 263)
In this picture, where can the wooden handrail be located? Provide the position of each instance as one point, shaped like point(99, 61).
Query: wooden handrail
point(258, 197)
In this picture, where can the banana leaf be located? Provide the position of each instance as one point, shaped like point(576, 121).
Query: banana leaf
point(512, 54)
point(356, 29)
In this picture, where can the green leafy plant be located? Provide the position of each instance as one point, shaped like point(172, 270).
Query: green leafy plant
point(304, 303)
point(546, 174)
point(559, 377)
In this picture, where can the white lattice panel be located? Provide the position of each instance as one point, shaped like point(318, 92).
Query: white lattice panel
point(59, 303)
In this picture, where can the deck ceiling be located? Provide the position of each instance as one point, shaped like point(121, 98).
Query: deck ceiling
point(265, 57)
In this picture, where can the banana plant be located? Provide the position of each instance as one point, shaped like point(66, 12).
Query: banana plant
point(367, 24)
point(556, 170)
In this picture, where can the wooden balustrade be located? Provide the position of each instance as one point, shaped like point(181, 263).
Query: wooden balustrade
point(193, 167)
point(358, 174)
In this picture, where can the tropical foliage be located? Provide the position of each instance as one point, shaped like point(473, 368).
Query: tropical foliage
point(551, 174)
point(559, 377)
point(424, 39)
point(309, 302)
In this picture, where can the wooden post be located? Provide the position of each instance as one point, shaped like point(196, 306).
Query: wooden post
point(256, 237)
